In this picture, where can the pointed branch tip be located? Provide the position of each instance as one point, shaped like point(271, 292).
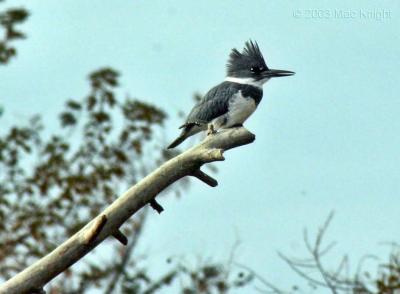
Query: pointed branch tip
point(156, 206)
point(202, 176)
point(120, 237)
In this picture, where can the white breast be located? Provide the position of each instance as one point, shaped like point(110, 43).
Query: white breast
point(240, 108)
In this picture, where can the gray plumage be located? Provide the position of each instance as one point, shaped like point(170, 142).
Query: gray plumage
point(247, 63)
point(231, 102)
point(215, 106)
point(216, 102)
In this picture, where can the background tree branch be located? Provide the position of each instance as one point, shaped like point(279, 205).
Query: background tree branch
point(189, 162)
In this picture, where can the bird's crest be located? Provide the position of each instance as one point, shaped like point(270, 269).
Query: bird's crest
point(251, 56)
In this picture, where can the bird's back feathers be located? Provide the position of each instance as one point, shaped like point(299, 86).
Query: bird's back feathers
point(216, 102)
point(213, 105)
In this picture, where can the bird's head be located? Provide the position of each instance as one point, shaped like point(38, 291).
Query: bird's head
point(249, 66)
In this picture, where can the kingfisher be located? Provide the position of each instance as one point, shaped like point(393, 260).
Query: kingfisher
point(231, 103)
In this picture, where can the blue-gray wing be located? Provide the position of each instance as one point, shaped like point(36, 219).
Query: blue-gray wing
point(214, 104)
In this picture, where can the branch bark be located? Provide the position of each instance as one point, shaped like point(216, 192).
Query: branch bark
point(188, 163)
point(125, 258)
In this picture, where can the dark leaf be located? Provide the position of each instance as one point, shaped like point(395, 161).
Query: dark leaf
point(67, 119)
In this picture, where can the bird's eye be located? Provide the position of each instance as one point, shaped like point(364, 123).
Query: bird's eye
point(256, 69)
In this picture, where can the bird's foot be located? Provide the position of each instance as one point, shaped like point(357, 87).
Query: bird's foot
point(211, 130)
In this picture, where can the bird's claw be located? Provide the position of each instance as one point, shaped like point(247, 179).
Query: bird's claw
point(211, 130)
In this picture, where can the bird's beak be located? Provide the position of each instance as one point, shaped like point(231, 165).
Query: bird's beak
point(273, 73)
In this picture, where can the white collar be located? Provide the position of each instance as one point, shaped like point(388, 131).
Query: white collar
point(247, 81)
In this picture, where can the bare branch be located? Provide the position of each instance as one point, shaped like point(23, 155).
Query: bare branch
point(125, 258)
point(335, 281)
point(300, 272)
point(156, 206)
point(121, 237)
point(271, 288)
point(73, 249)
point(202, 176)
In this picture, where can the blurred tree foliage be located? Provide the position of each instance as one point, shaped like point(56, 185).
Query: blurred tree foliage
point(53, 184)
point(9, 19)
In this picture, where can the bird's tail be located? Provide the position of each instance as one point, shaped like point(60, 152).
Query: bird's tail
point(178, 140)
point(189, 129)
point(182, 137)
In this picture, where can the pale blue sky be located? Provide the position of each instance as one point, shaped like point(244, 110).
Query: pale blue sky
point(327, 138)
